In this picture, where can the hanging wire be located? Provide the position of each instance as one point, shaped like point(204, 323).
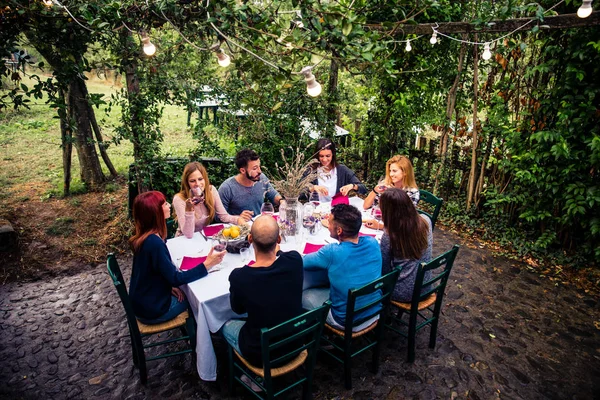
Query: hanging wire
point(58, 3)
point(494, 40)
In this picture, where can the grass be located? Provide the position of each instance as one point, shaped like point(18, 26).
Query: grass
point(30, 142)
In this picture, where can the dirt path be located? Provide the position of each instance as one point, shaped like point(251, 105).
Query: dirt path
point(504, 333)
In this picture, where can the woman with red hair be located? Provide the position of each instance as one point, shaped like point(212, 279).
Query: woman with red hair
point(153, 287)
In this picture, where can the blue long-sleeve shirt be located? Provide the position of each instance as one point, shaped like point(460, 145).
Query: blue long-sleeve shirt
point(153, 276)
point(348, 266)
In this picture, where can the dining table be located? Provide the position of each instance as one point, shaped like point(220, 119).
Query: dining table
point(209, 297)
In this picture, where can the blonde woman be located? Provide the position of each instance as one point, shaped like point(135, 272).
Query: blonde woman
point(399, 174)
point(198, 202)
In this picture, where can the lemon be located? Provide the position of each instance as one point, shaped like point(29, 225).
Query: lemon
point(235, 233)
point(227, 232)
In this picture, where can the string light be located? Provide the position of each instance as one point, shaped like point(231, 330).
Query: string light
point(487, 54)
point(149, 48)
point(408, 46)
point(48, 3)
point(223, 59)
point(313, 88)
point(585, 10)
point(433, 39)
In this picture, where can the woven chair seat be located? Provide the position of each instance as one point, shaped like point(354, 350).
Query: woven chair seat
point(284, 369)
point(176, 322)
point(422, 304)
point(354, 334)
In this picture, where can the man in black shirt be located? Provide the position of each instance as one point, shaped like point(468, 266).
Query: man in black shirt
point(270, 290)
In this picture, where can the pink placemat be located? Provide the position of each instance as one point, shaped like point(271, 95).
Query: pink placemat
point(212, 229)
point(311, 248)
point(251, 262)
point(339, 199)
point(275, 216)
point(366, 234)
point(191, 262)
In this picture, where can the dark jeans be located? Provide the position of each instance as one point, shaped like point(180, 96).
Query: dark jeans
point(175, 309)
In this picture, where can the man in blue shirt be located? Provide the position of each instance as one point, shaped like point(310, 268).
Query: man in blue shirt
point(352, 263)
point(247, 189)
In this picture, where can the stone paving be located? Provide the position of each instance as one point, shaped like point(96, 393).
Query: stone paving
point(504, 333)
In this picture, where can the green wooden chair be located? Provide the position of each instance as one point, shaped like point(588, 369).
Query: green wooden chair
point(171, 227)
point(435, 201)
point(138, 330)
point(384, 287)
point(305, 331)
point(420, 308)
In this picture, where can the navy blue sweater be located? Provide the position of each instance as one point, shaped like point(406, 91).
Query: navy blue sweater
point(153, 276)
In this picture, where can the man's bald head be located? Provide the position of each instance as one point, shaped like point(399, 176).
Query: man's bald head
point(265, 234)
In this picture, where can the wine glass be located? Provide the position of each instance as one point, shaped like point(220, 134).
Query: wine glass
point(197, 195)
point(381, 186)
point(219, 244)
point(267, 209)
point(376, 213)
point(245, 253)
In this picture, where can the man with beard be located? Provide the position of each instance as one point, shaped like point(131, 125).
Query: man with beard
point(247, 190)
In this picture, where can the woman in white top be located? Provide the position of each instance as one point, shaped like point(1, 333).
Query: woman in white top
point(333, 177)
point(195, 211)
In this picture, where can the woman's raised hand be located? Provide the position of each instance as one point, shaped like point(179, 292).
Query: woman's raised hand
point(346, 188)
point(321, 189)
point(189, 206)
point(213, 258)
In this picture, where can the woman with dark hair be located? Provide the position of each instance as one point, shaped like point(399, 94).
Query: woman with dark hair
point(406, 241)
point(153, 287)
point(195, 211)
point(333, 177)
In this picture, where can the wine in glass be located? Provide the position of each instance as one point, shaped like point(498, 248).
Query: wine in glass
point(197, 195)
point(220, 245)
point(376, 213)
point(267, 208)
point(381, 186)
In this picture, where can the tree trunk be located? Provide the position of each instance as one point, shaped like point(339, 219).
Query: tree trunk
point(332, 110)
point(480, 181)
point(101, 144)
point(449, 112)
point(91, 172)
point(475, 140)
point(66, 135)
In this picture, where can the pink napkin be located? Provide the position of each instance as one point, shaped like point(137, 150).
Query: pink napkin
point(275, 216)
point(191, 262)
point(212, 229)
point(366, 234)
point(339, 199)
point(311, 248)
point(251, 262)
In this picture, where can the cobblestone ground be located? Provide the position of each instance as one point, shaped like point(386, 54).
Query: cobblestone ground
point(504, 333)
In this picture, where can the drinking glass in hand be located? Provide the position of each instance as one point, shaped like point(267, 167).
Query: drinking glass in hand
point(381, 187)
point(267, 209)
point(376, 213)
point(197, 195)
point(220, 245)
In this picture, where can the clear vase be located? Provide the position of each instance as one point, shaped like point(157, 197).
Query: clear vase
point(290, 217)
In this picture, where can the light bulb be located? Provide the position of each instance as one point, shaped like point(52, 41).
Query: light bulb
point(487, 54)
point(433, 39)
point(585, 10)
point(408, 46)
point(223, 59)
point(149, 48)
point(48, 3)
point(313, 88)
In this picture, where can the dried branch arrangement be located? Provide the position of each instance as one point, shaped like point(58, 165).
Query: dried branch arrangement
point(294, 176)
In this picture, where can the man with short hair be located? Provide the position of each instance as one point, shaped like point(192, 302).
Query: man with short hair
point(270, 290)
point(246, 190)
point(352, 263)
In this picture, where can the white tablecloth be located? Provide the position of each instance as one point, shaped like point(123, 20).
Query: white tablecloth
point(209, 296)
